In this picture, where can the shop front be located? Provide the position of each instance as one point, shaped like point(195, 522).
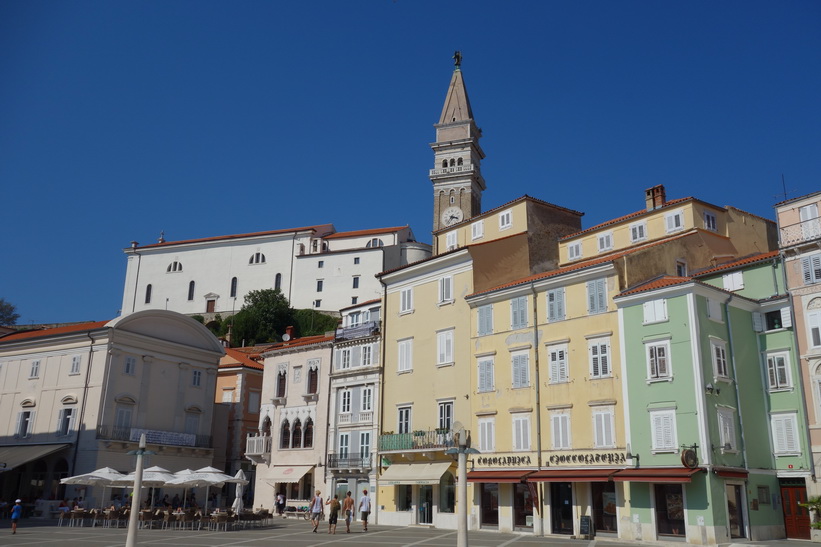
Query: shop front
point(506, 501)
point(294, 481)
point(422, 494)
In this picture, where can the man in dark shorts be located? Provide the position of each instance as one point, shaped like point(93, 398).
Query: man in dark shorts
point(365, 509)
point(334, 516)
point(347, 510)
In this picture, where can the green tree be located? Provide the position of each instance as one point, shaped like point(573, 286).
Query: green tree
point(8, 313)
point(263, 318)
point(311, 322)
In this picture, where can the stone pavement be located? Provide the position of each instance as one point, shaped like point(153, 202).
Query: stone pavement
point(297, 533)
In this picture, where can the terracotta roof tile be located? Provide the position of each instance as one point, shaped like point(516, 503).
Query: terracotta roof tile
point(657, 283)
point(635, 214)
point(372, 231)
point(79, 327)
point(301, 342)
point(315, 228)
point(240, 358)
point(746, 261)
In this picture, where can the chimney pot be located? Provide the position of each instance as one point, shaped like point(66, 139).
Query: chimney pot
point(655, 197)
point(289, 330)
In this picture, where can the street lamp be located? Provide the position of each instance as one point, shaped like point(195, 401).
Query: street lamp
point(131, 538)
point(460, 435)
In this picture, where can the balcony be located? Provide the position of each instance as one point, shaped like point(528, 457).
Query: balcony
point(432, 439)
point(258, 448)
point(455, 169)
point(358, 418)
point(349, 461)
point(152, 436)
point(801, 232)
point(367, 328)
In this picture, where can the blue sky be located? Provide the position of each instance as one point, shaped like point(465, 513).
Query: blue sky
point(200, 118)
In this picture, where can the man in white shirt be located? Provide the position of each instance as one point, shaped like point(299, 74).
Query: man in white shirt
point(365, 509)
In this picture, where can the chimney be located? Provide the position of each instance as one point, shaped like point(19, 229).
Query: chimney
point(290, 331)
point(655, 197)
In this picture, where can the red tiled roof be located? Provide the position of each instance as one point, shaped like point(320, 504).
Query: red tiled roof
point(79, 327)
point(241, 358)
point(508, 204)
point(356, 233)
point(374, 301)
point(658, 283)
point(746, 261)
point(315, 228)
point(300, 342)
point(628, 217)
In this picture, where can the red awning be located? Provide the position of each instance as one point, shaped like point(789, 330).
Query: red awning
point(572, 475)
point(657, 474)
point(730, 472)
point(498, 476)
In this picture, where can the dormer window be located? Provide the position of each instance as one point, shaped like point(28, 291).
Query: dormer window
point(257, 258)
point(174, 267)
point(375, 242)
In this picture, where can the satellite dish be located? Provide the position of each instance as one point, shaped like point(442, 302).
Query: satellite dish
point(457, 427)
point(286, 337)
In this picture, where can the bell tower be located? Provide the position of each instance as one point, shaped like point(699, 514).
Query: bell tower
point(456, 174)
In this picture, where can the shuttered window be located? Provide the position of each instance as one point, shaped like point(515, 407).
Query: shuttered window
point(599, 351)
point(555, 305)
point(521, 369)
point(445, 347)
point(726, 428)
point(658, 364)
point(485, 375)
point(521, 432)
point(560, 430)
point(785, 434)
point(719, 352)
point(446, 289)
point(558, 364)
point(663, 427)
point(811, 266)
point(405, 355)
point(406, 301)
point(603, 436)
point(487, 435)
point(597, 296)
point(518, 313)
point(485, 320)
point(778, 376)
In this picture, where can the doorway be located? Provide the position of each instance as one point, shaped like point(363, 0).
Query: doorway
point(426, 504)
point(604, 507)
point(490, 504)
point(796, 518)
point(735, 510)
point(561, 508)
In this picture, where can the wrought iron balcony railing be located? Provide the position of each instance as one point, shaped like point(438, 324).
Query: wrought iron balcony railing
point(349, 461)
point(436, 439)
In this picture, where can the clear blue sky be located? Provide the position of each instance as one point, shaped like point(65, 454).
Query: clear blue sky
point(200, 118)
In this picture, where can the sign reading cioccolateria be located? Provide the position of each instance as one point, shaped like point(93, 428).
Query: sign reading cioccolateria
point(586, 458)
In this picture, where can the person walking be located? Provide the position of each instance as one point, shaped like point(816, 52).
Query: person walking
point(334, 515)
point(348, 510)
point(16, 513)
point(365, 509)
point(317, 507)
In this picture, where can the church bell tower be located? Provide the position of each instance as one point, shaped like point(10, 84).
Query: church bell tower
point(456, 174)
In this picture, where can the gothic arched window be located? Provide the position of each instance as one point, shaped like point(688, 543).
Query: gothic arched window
point(296, 437)
point(285, 435)
point(309, 433)
point(444, 163)
point(459, 161)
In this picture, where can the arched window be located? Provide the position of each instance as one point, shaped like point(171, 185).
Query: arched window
point(233, 287)
point(375, 242)
point(148, 293)
point(309, 433)
point(296, 438)
point(313, 380)
point(191, 290)
point(174, 267)
point(281, 379)
point(459, 161)
point(266, 426)
point(452, 162)
point(444, 163)
point(278, 281)
point(257, 258)
point(285, 435)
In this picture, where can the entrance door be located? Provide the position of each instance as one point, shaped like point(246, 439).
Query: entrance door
point(796, 518)
point(735, 510)
point(490, 504)
point(426, 504)
point(604, 506)
point(561, 508)
point(210, 305)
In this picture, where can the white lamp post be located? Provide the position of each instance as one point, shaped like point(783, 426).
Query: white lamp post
point(131, 538)
point(462, 499)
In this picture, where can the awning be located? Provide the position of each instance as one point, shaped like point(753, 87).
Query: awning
point(14, 456)
point(414, 473)
point(731, 472)
point(287, 473)
point(498, 476)
point(657, 474)
point(572, 475)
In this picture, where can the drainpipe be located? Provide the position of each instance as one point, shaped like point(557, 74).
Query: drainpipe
point(137, 278)
point(381, 376)
point(293, 261)
point(735, 378)
point(83, 404)
point(328, 411)
point(538, 383)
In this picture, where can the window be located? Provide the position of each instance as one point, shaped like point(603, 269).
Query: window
point(285, 435)
point(814, 325)
point(485, 320)
point(313, 379)
point(763, 495)
point(597, 296)
point(257, 258)
point(130, 366)
point(714, 310)
point(282, 380)
point(477, 229)
point(192, 423)
point(356, 260)
point(233, 287)
point(356, 282)
point(710, 221)
point(558, 363)
point(254, 399)
point(605, 241)
point(726, 429)
point(599, 351)
point(487, 435)
point(518, 313)
point(485, 375)
point(404, 419)
point(772, 320)
point(444, 342)
point(521, 432)
point(319, 285)
point(555, 305)
point(406, 303)
point(785, 434)
point(122, 420)
point(365, 443)
point(655, 311)
point(318, 303)
point(811, 267)
point(446, 415)
point(355, 319)
point(308, 440)
point(278, 281)
point(681, 268)
point(603, 436)
point(354, 300)
point(446, 289)
point(778, 375)
point(718, 349)
point(367, 399)
point(227, 395)
point(733, 281)
point(75, 364)
point(191, 291)
point(560, 430)
point(505, 219)
point(345, 401)
point(148, 293)
point(674, 221)
point(638, 232)
point(174, 267)
point(663, 427)
point(34, 372)
point(320, 264)
point(658, 366)
point(375, 242)
point(450, 240)
point(521, 369)
point(65, 421)
point(405, 355)
point(367, 355)
point(196, 378)
point(810, 226)
point(574, 251)
point(25, 423)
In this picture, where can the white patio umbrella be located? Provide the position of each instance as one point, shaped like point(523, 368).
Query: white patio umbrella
point(241, 481)
point(207, 477)
point(104, 477)
point(153, 477)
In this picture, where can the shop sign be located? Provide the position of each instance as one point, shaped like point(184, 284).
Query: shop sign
point(505, 460)
point(587, 458)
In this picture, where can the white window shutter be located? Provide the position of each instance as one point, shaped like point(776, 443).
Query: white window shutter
point(594, 360)
point(786, 318)
point(560, 303)
point(604, 359)
point(758, 322)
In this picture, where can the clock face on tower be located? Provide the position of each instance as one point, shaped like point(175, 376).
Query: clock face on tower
point(452, 215)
